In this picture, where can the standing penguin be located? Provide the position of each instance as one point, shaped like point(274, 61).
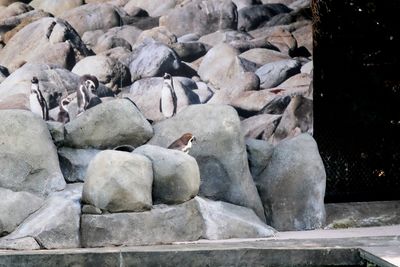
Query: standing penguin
point(37, 102)
point(63, 114)
point(87, 93)
point(168, 99)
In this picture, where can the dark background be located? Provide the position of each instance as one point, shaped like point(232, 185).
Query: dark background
point(357, 97)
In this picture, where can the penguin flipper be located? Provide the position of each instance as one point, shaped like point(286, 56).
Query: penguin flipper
point(160, 104)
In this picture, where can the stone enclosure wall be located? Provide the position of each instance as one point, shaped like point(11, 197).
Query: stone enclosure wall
point(242, 73)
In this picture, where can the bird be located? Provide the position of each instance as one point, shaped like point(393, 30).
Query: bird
point(63, 114)
point(37, 102)
point(184, 143)
point(168, 99)
point(87, 93)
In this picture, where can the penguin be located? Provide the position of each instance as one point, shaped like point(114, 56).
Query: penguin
point(37, 102)
point(184, 143)
point(63, 114)
point(168, 99)
point(87, 93)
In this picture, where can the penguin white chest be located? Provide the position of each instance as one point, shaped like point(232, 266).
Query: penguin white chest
point(35, 105)
point(167, 102)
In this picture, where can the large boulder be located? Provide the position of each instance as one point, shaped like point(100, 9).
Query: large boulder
point(159, 34)
point(259, 153)
point(126, 32)
point(176, 174)
point(146, 94)
point(192, 220)
point(15, 207)
point(260, 126)
point(92, 17)
point(292, 187)
point(108, 71)
point(262, 56)
point(28, 157)
point(56, 7)
point(151, 59)
point(219, 151)
point(222, 67)
point(14, 9)
point(54, 226)
point(201, 17)
point(47, 40)
point(110, 124)
point(119, 181)
point(155, 8)
point(74, 162)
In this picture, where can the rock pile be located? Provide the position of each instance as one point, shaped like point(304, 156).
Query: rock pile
point(242, 77)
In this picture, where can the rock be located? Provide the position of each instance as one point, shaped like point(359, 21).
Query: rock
point(262, 56)
point(158, 34)
point(151, 59)
point(7, 2)
point(282, 39)
point(190, 37)
point(119, 181)
point(48, 41)
point(259, 153)
point(251, 17)
point(92, 17)
point(245, 3)
point(155, 8)
point(146, 94)
point(15, 207)
point(126, 32)
point(299, 4)
point(14, 9)
point(274, 73)
point(108, 71)
point(304, 37)
point(307, 68)
point(118, 53)
point(28, 157)
point(189, 51)
point(285, 2)
point(56, 130)
point(298, 84)
point(190, 221)
point(260, 126)
point(74, 162)
point(224, 36)
point(3, 73)
point(297, 119)
point(253, 102)
point(219, 151)
point(222, 67)
point(108, 125)
point(55, 225)
point(89, 209)
point(201, 17)
point(176, 174)
point(58, 7)
point(53, 82)
point(90, 38)
point(292, 187)
point(111, 42)
point(204, 92)
point(24, 243)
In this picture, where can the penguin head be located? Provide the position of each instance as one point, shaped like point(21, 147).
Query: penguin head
point(35, 80)
point(167, 76)
point(35, 85)
point(188, 138)
point(65, 101)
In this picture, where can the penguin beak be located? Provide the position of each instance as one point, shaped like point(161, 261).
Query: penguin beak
point(193, 139)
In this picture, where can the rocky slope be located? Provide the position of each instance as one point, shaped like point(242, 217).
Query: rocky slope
point(242, 73)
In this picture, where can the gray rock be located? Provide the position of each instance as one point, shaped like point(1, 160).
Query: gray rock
point(112, 123)
point(222, 68)
point(28, 157)
point(245, 3)
point(111, 42)
point(274, 73)
point(224, 36)
point(92, 17)
point(119, 181)
point(189, 51)
point(262, 56)
point(259, 153)
point(297, 118)
point(47, 40)
point(304, 37)
point(56, 130)
point(146, 95)
point(192, 220)
point(74, 162)
point(14, 9)
point(260, 126)
point(204, 92)
point(108, 71)
point(282, 39)
point(307, 68)
point(151, 59)
point(24, 243)
point(299, 4)
point(255, 101)
point(176, 174)
point(158, 34)
point(219, 151)
point(292, 187)
point(15, 207)
point(3, 73)
point(298, 84)
point(55, 225)
point(251, 17)
point(126, 32)
point(201, 17)
point(90, 38)
point(155, 8)
point(58, 7)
